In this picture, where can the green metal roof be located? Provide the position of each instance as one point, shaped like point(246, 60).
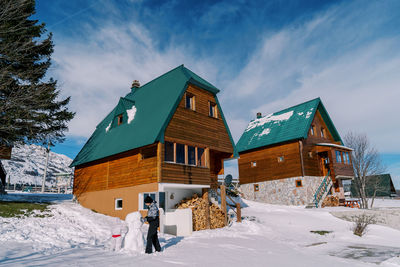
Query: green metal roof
point(151, 106)
point(382, 183)
point(285, 125)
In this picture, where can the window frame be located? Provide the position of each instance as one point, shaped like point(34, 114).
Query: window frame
point(192, 101)
point(116, 202)
point(312, 130)
point(338, 155)
point(297, 183)
point(253, 164)
point(256, 187)
point(212, 110)
point(197, 162)
point(281, 159)
point(120, 119)
point(323, 133)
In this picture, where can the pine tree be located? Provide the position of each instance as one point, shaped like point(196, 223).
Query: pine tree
point(31, 109)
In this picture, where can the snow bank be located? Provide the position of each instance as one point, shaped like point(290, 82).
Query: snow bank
point(69, 226)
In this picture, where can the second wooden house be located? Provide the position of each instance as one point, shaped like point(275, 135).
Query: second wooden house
point(167, 139)
point(294, 156)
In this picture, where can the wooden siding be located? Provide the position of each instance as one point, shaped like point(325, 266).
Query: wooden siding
point(5, 152)
point(197, 126)
point(268, 168)
point(135, 167)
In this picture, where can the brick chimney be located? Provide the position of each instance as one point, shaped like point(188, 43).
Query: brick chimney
point(135, 85)
point(259, 115)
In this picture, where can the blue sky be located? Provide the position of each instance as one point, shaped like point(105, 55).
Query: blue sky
point(263, 55)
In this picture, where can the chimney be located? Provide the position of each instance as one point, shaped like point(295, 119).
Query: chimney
point(135, 85)
point(259, 115)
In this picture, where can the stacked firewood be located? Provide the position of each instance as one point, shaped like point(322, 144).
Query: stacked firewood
point(199, 208)
point(331, 201)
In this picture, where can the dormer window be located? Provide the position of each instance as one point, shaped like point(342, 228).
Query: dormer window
point(120, 119)
point(212, 110)
point(190, 104)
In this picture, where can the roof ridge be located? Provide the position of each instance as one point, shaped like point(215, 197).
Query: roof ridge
point(180, 66)
point(291, 107)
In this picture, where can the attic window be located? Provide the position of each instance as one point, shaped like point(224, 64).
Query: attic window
point(212, 110)
point(120, 119)
point(323, 132)
point(254, 164)
point(281, 159)
point(190, 101)
point(312, 130)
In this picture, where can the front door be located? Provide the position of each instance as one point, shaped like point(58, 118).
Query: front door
point(324, 162)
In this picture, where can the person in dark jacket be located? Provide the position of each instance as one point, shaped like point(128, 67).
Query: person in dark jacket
point(154, 222)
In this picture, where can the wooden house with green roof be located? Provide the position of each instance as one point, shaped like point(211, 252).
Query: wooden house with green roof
point(167, 138)
point(294, 156)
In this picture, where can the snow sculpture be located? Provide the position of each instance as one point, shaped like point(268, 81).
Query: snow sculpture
point(134, 240)
point(118, 231)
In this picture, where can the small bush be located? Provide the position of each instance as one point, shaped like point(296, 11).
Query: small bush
point(361, 223)
point(321, 232)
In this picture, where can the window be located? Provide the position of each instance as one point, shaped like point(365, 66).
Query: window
point(152, 195)
point(254, 164)
point(184, 154)
point(180, 153)
point(159, 197)
point(346, 157)
point(310, 155)
point(169, 151)
point(212, 110)
point(312, 130)
point(299, 183)
point(191, 155)
point(118, 204)
point(190, 101)
point(201, 157)
point(256, 188)
point(281, 159)
point(322, 132)
point(338, 156)
point(120, 121)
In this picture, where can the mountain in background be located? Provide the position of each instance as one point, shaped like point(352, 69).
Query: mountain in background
point(28, 162)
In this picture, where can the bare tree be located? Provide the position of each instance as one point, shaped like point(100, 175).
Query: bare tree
point(367, 165)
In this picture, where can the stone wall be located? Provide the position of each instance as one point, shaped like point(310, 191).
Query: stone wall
point(283, 191)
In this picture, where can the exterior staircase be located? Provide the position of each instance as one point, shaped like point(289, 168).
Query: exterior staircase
point(321, 192)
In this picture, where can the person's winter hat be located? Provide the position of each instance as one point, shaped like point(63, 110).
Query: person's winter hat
point(148, 199)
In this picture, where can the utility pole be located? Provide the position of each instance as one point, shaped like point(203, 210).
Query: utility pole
point(47, 163)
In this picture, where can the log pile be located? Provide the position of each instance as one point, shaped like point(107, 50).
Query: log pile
point(331, 201)
point(199, 208)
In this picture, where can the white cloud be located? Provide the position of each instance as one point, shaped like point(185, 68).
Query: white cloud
point(98, 69)
point(333, 57)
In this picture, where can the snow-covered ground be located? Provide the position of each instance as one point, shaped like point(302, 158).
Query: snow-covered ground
point(270, 235)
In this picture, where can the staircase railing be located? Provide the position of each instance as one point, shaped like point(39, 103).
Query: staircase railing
point(323, 187)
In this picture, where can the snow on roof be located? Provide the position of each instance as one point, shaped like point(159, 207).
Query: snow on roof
point(108, 127)
point(269, 118)
point(265, 131)
point(131, 114)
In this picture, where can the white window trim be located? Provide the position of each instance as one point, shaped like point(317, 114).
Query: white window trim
point(115, 203)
